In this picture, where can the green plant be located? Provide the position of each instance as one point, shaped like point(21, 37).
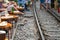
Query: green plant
point(15, 1)
point(29, 2)
point(20, 4)
point(13, 9)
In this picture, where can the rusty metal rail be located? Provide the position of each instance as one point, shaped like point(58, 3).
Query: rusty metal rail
point(53, 13)
point(37, 21)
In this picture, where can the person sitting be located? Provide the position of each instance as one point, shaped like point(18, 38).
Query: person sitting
point(11, 5)
point(1, 5)
point(22, 3)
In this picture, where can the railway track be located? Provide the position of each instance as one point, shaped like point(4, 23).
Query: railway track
point(37, 21)
point(30, 28)
point(49, 24)
point(57, 16)
point(26, 32)
point(40, 26)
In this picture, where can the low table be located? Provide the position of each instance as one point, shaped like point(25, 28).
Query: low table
point(6, 26)
point(16, 13)
point(10, 18)
point(2, 9)
point(13, 20)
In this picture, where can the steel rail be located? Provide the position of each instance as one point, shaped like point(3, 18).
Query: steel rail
point(53, 13)
point(37, 21)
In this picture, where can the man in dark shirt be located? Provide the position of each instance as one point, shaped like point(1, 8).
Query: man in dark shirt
point(52, 3)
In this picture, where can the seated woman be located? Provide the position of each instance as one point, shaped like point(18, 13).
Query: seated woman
point(2, 6)
point(11, 5)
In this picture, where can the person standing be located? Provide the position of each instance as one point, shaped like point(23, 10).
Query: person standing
point(22, 2)
point(41, 2)
point(11, 5)
point(48, 4)
point(52, 3)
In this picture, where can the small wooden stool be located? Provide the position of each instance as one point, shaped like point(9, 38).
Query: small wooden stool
point(7, 27)
point(10, 19)
point(2, 35)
